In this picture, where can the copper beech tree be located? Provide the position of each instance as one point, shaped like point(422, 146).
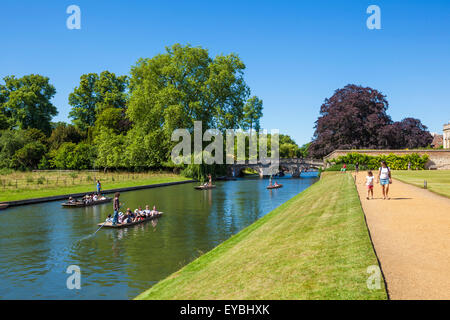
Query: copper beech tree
point(355, 117)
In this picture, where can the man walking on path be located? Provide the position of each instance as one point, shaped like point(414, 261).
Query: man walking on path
point(411, 236)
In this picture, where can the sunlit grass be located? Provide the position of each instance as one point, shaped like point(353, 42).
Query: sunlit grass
point(315, 246)
point(438, 181)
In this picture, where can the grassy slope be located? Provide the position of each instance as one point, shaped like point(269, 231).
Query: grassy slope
point(438, 180)
point(315, 246)
point(10, 195)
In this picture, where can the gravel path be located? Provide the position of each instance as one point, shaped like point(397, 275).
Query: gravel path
point(411, 235)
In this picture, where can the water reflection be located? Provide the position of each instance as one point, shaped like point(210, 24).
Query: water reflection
point(40, 241)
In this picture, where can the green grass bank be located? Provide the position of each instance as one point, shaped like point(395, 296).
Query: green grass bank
point(21, 186)
point(438, 181)
point(314, 246)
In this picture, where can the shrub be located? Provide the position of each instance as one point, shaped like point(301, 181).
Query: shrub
point(395, 162)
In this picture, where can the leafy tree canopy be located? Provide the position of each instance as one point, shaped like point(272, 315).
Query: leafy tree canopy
point(355, 117)
point(252, 113)
point(64, 132)
point(25, 102)
point(95, 93)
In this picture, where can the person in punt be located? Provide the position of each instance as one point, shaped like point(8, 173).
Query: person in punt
point(154, 212)
point(71, 200)
point(147, 211)
point(109, 219)
point(121, 218)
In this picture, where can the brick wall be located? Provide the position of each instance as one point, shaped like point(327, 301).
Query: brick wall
point(439, 159)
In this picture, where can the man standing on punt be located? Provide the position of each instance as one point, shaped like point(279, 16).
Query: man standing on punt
point(116, 206)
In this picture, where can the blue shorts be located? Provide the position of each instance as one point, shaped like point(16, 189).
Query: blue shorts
point(384, 182)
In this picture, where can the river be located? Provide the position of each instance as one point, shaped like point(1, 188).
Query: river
point(39, 242)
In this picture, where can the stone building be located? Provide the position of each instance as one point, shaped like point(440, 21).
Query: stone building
point(447, 136)
point(438, 140)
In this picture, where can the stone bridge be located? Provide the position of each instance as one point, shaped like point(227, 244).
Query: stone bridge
point(293, 166)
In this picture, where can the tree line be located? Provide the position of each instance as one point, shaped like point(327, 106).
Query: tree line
point(126, 122)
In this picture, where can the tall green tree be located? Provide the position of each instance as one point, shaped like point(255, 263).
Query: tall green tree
point(25, 102)
point(252, 113)
point(180, 86)
point(95, 93)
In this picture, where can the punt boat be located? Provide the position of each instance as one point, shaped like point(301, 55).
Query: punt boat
point(125, 225)
point(80, 203)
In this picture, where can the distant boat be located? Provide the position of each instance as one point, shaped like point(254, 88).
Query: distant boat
point(3, 206)
point(275, 186)
point(205, 187)
point(80, 203)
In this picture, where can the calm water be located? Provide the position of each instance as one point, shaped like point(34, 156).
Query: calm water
point(39, 242)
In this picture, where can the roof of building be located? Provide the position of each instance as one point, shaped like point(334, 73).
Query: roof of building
point(438, 140)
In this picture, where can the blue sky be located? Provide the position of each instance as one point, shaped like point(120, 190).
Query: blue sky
point(296, 52)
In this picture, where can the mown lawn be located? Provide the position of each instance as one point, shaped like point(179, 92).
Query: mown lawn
point(19, 186)
point(315, 246)
point(438, 181)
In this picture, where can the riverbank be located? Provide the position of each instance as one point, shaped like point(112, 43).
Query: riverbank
point(307, 248)
point(68, 187)
point(411, 236)
point(437, 181)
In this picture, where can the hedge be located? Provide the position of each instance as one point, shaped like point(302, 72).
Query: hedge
point(393, 161)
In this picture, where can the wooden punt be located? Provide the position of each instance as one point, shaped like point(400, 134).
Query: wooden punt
point(205, 187)
point(125, 225)
point(275, 187)
point(3, 206)
point(79, 203)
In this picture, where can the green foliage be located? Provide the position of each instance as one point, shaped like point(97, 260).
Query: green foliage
point(252, 113)
point(18, 150)
point(393, 161)
point(95, 93)
point(29, 155)
point(304, 150)
point(110, 150)
point(73, 157)
point(174, 89)
point(26, 102)
point(113, 119)
point(40, 180)
point(64, 133)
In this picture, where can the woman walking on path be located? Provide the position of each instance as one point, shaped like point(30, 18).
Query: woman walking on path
point(385, 179)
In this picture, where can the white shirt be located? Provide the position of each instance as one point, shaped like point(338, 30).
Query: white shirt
point(369, 180)
point(384, 173)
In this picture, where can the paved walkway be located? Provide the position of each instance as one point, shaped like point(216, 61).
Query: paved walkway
point(411, 235)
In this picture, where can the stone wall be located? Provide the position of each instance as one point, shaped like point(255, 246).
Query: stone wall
point(439, 159)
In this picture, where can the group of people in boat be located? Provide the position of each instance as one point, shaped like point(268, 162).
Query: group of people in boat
point(272, 185)
point(209, 183)
point(136, 216)
point(88, 198)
